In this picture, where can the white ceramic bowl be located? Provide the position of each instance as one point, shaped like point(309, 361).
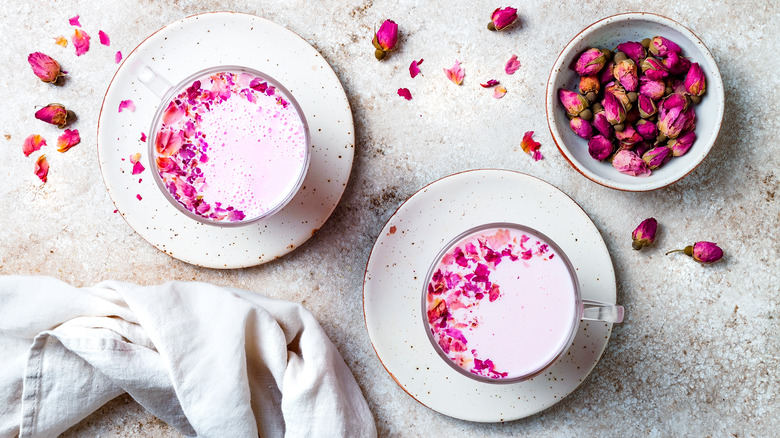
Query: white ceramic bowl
point(608, 33)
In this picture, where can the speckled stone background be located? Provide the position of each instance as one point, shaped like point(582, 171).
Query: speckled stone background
point(699, 353)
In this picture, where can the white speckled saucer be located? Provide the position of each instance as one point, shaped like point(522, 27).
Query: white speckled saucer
point(400, 259)
point(190, 45)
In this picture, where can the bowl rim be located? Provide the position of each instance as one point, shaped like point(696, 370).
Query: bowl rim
point(625, 16)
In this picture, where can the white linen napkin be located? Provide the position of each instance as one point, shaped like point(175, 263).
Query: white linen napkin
point(209, 361)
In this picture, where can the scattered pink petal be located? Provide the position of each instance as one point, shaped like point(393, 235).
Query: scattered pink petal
point(138, 168)
point(530, 146)
point(42, 168)
point(80, 42)
point(74, 21)
point(127, 104)
point(118, 57)
point(414, 68)
point(136, 157)
point(143, 136)
point(61, 41)
point(33, 143)
point(405, 93)
point(499, 92)
point(455, 74)
point(489, 84)
point(139, 197)
point(104, 40)
point(512, 65)
point(68, 139)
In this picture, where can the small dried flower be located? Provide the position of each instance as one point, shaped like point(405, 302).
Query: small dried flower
point(590, 62)
point(68, 139)
point(656, 157)
point(581, 127)
point(628, 136)
point(626, 73)
point(588, 84)
point(573, 102)
point(512, 65)
point(80, 42)
point(653, 68)
point(646, 106)
point(694, 80)
point(629, 163)
point(385, 39)
point(599, 147)
point(672, 118)
point(455, 74)
point(502, 18)
point(654, 89)
point(33, 143)
point(45, 67)
point(646, 129)
point(681, 144)
point(42, 168)
point(601, 123)
point(635, 51)
point(661, 46)
point(644, 234)
point(676, 64)
point(703, 252)
point(53, 113)
point(613, 109)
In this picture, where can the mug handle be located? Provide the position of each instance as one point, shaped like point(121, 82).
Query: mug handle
point(151, 79)
point(597, 311)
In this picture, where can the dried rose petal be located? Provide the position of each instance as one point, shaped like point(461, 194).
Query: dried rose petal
point(385, 39)
point(104, 40)
point(68, 139)
point(61, 41)
point(530, 146)
point(644, 234)
point(489, 84)
point(590, 62)
point(405, 93)
point(138, 168)
point(42, 168)
point(118, 57)
point(80, 42)
point(502, 18)
point(139, 197)
point(173, 113)
point(414, 68)
point(134, 158)
point(168, 143)
point(143, 136)
point(599, 147)
point(581, 127)
point(661, 46)
point(33, 143)
point(694, 80)
point(74, 21)
point(512, 65)
point(127, 104)
point(455, 74)
point(629, 163)
point(681, 144)
point(45, 67)
point(499, 92)
point(634, 50)
point(53, 113)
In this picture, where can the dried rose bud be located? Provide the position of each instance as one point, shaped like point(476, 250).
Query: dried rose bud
point(642, 147)
point(590, 62)
point(613, 109)
point(46, 68)
point(681, 144)
point(646, 106)
point(628, 136)
point(672, 117)
point(660, 46)
point(651, 88)
point(601, 123)
point(634, 50)
point(53, 113)
point(653, 68)
point(690, 120)
point(588, 84)
point(633, 116)
point(502, 18)
point(385, 39)
point(614, 88)
point(625, 72)
point(656, 157)
point(694, 80)
point(605, 75)
point(646, 129)
point(676, 64)
point(703, 252)
point(573, 102)
point(629, 163)
point(599, 147)
point(644, 234)
point(581, 127)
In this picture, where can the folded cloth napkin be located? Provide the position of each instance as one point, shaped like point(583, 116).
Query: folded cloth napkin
point(209, 361)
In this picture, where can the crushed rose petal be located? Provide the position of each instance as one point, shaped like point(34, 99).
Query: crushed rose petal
point(414, 68)
point(139, 197)
point(80, 42)
point(118, 57)
point(61, 41)
point(512, 65)
point(490, 83)
point(33, 143)
point(127, 104)
point(455, 74)
point(405, 93)
point(104, 40)
point(68, 139)
point(530, 146)
point(135, 159)
point(42, 168)
point(499, 92)
point(143, 136)
point(74, 21)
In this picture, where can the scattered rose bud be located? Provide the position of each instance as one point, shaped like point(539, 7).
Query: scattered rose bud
point(502, 18)
point(590, 62)
point(601, 123)
point(74, 21)
point(414, 68)
point(512, 65)
point(656, 157)
point(80, 42)
point(499, 92)
point(628, 136)
point(654, 89)
point(660, 46)
point(681, 144)
point(61, 41)
point(703, 252)
point(42, 168)
point(646, 106)
point(45, 67)
point(629, 163)
point(625, 72)
point(455, 74)
point(530, 146)
point(634, 50)
point(581, 127)
point(489, 84)
point(644, 234)
point(654, 69)
point(385, 39)
point(32, 144)
point(694, 80)
point(573, 102)
point(68, 139)
point(405, 93)
point(588, 84)
point(647, 129)
point(599, 147)
point(613, 109)
point(53, 113)
point(676, 64)
point(104, 40)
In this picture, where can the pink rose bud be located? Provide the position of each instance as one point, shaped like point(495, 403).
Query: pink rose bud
point(681, 144)
point(703, 252)
point(646, 106)
point(647, 129)
point(46, 68)
point(605, 75)
point(672, 117)
point(629, 163)
point(653, 68)
point(642, 147)
point(581, 127)
point(613, 109)
point(601, 123)
point(385, 39)
point(690, 120)
point(634, 50)
point(660, 46)
point(588, 84)
point(573, 102)
point(676, 64)
point(614, 88)
point(694, 80)
point(656, 157)
point(502, 18)
point(625, 72)
point(590, 62)
point(644, 234)
point(628, 136)
point(599, 147)
point(654, 89)
point(53, 113)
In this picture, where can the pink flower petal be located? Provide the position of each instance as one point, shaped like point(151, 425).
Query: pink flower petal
point(414, 68)
point(74, 21)
point(33, 143)
point(530, 146)
point(134, 158)
point(68, 139)
point(489, 84)
point(405, 93)
point(512, 65)
point(139, 197)
point(118, 57)
point(143, 136)
point(80, 42)
point(138, 168)
point(499, 92)
point(127, 104)
point(104, 40)
point(61, 41)
point(455, 74)
point(42, 168)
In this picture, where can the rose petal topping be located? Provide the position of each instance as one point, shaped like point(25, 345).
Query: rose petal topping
point(74, 21)
point(80, 42)
point(68, 139)
point(53, 113)
point(61, 41)
point(45, 67)
point(455, 74)
point(489, 84)
point(499, 92)
point(104, 40)
point(118, 57)
point(405, 93)
point(33, 143)
point(414, 68)
point(42, 168)
point(530, 146)
point(127, 104)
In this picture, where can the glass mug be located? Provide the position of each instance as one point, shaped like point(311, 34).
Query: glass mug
point(501, 303)
point(228, 145)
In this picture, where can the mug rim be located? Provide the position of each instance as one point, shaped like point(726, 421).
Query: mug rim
point(578, 303)
point(173, 91)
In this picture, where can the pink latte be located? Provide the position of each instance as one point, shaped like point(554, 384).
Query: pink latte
point(501, 303)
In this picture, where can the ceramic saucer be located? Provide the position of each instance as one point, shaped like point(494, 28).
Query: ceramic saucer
point(208, 40)
point(400, 259)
